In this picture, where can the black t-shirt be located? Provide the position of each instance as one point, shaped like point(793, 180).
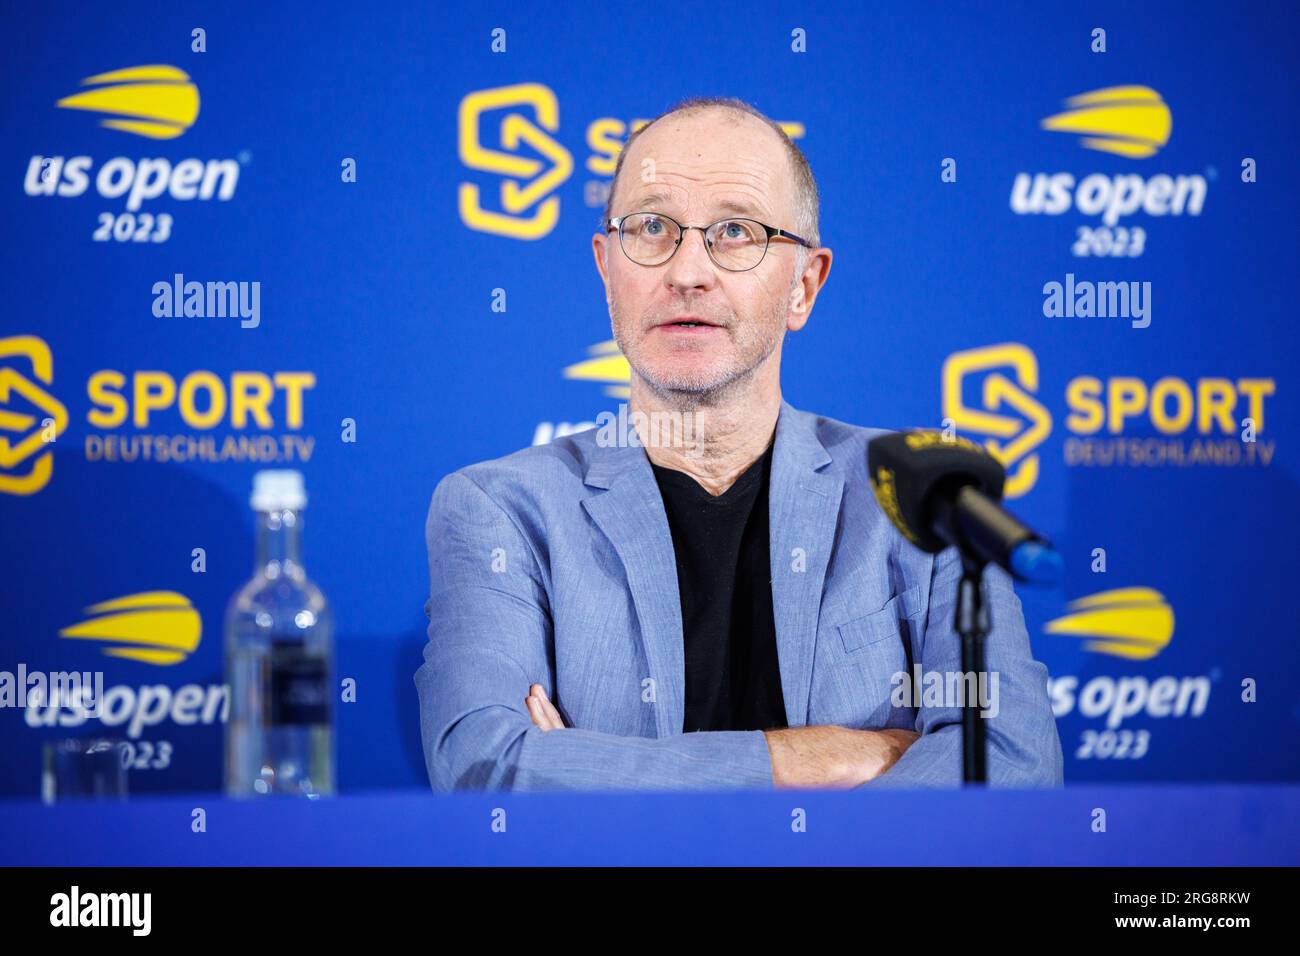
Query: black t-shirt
point(724, 576)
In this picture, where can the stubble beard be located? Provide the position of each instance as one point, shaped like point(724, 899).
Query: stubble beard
point(753, 346)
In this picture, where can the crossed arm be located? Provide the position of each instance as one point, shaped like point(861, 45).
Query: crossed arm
point(824, 756)
point(487, 657)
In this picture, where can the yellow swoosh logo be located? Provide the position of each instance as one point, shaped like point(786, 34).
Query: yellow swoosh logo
point(1134, 623)
point(157, 627)
point(607, 364)
point(158, 101)
point(1130, 121)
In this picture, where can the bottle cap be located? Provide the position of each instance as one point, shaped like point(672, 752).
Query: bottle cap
point(278, 490)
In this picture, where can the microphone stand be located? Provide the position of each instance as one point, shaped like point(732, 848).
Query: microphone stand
point(972, 619)
point(972, 622)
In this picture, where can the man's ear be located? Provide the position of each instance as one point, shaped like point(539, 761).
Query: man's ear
point(600, 250)
point(798, 314)
point(803, 294)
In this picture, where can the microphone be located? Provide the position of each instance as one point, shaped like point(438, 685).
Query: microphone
point(940, 492)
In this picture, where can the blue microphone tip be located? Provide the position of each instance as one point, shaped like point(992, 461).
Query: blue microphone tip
point(1036, 562)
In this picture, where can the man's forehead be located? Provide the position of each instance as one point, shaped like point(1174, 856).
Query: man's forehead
point(664, 198)
point(727, 164)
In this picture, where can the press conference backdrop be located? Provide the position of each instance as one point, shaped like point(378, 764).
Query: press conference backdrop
point(407, 197)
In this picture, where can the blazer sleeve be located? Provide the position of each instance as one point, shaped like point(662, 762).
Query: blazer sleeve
point(490, 638)
point(1024, 746)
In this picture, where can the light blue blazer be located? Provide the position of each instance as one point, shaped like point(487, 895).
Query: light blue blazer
point(555, 565)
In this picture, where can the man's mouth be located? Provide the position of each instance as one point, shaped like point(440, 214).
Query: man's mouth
point(688, 322)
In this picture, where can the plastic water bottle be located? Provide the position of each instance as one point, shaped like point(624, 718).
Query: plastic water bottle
point(279, 659)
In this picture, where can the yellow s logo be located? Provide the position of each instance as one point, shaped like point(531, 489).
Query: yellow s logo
point(527, 182)
point(1012, 439)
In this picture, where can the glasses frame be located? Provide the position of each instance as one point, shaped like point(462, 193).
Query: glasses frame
point(616, 222)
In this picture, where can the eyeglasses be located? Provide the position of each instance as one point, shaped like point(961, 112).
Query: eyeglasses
point(737, 245)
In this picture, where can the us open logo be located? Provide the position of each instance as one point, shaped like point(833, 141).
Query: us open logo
point(1135, 123)
point(156, 102)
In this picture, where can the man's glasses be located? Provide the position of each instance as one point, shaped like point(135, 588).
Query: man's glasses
point(737, 245)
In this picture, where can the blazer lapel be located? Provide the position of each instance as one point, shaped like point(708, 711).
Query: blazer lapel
point(631, 514)
point(803, 510)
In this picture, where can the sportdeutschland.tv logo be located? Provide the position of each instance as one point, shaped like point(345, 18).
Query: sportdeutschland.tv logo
point(1117, 421)
point(224, 416)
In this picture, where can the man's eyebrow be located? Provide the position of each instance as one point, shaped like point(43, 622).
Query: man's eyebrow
point(659, 199)
point(740, 208)
point(652, 200)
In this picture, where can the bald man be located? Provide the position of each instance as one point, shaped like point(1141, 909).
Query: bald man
point(702, 592)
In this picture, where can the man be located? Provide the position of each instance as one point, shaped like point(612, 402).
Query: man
point(713, 600)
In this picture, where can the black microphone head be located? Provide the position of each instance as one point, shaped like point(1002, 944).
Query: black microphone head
point(908, 469)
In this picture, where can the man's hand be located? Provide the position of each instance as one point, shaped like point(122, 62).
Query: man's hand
point(542, 710)
point(831, 756)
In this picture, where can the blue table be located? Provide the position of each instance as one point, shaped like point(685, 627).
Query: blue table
point(1145, 826)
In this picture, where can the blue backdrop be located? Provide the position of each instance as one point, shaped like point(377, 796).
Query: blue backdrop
point(391, 177)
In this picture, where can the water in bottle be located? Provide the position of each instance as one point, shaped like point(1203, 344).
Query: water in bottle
point(279, 659)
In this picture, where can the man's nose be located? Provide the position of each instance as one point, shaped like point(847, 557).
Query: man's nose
point(690, 267)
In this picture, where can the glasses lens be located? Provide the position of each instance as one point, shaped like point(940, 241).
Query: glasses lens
point(738, 244)
point(647, 238)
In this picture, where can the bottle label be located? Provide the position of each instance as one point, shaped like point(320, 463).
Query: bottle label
point(299, 687)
